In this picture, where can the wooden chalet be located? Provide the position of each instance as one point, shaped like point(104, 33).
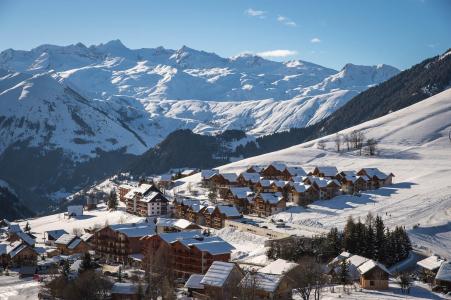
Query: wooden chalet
point(429, 268)
point(174, 225)
point(221, 280)
point(302, 194)
point(182, 207)
point(373, 275)
point(248, 179)
point(268, 286)
point(238, 196)
point(52, 235)
point(17, 254)
point(352, 183)
point(224, 179)
point(443, 278)
point(266, 204)
point(376, 177)
point(280, 186)
point(117, 242)
point(254, 169)
point(188, 252)
point(274, 171)
point(324, 172)
point(263, 186)
point(68, 244)
point(196, 290)
point(326, 189)
point(219, 214)
point(293, 172)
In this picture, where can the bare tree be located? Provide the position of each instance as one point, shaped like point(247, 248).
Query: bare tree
point(248, 286)
point(347, 140)
point(371, 145)
point(159, 274)
point(405, 282)
point(309, 279)
point(338, 141)
point(321, 145)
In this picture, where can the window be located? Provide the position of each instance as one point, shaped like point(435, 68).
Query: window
point(371, 283)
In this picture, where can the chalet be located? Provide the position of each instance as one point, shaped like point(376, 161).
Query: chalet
point(117, 242)
point(268, 286)
point(88, 238)
point(196, 290)
point(248, 179)
point(253, 169)
point(53, 235)
point(221, 280)
point(281, 267)
point(429, 267)
point(280, 186)
point(152, 204)
point(443, 277)
point(181, 207)
point(263, 186)
point(75, 210)
point(324, 172)
point(353, 261)
point(221, 213)
point(293, 172)
point(174, 225)
point(189, 252)
point(194, 213)
point(127, 291)
point(206, 175)
point(25, 237)
point(123, 189)
point(17, 254)
point(373, 275)
point(376, 177)
point(69, 244)
point(274, 171)
point(224, 179)
point(188, 172)
point(266, 204)
point(238, 196)
point(302, 194)
point(352, 183)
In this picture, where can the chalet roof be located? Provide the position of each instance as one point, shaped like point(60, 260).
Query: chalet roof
point(143, 188)
point(14, 228)
point(206, 174)
point(135, 229)
point(265, 182)
point(328, 171)
point(343, 255)
point(196, 207)
point(170, 237)
point(229, 211)
point(320, 182)
point(65, 239)
point(55, 234)
point(86, 237)
point(334, 181)
point(357, 260)
point(194, 282)
point(279, 267)
point(188, 172)
point(26, 238)
point(371, 264)
point(240, 192)
point(7, 248)
point(210, 209)
point(125, 288)
point(255, 168)
point(230, 177)
point(263, 281)
point(215, 248)
point(74, 243)
point(218, 273)
point(348, 173)
point(278, 166)
point(17, 250)
point(252, 177)
point(444, 273)
point(164, 177)
point(431, 263)
point(374, 172)
point(130, 194)
point(272, 198)
point(280, 183)
point(300, 187)
point(296, 171)
point(154, 197)
point(177, 223)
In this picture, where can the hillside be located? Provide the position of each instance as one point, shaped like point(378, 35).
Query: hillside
point(414, 145)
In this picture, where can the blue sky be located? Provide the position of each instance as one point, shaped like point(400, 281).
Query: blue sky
point(331, 33)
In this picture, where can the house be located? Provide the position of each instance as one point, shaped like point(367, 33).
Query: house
point(443, 277)
point(373, 275)
point(117, 242)
point(352, 183)
point(133, 197)
point(224, 179)
point(326, 188)
point(123, 189)
point(293, 172)
point(189, 252)
point(248, 179)
point(127, 291)
point(263, 186)
point(281, 186)
point(196, 290)
point(17, 254)
point(266, 204)
point(205, 176)
point(188, 172)
point(221, 280)
point(238, 196)
point(429, 267)
point(183, 206)
point(376, 177)
point(267, 286)
point(254, 169)
point(324, 172)
point(152, 204)
point(353, 262)
point(281, 267)
point(274, 171)
point(75, 210)
point(221, 213)
point(301, 194)
point(174, 225)
point(53, 235)
point(25, 237)
point(69, 244)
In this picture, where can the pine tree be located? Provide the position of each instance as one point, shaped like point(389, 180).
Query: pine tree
point(86, 263)
point(27, 228)
point(344, 272)
point(349, 235)
point(66, 269)
point(379, 249)
point(369, 242)
point(333, 242)
point(112, 200)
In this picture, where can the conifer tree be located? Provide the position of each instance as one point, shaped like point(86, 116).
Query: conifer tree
point(27, 228)
point(112, 200)
point(344, 272)
point(379, 253)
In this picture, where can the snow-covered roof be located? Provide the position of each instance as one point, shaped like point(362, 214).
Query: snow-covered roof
point(75, 267)
point(55, 234)
point(300, 187)
point(280, 183)
point(328, 171)
point(217, 274)
point(278, 166)
point(279, 266)
point(126, 288)
point(26, 238)
point(230, 177)
point(356, 260)
point(130, 194)
point(14, 228)
point(444, 273)
point(265, 182)
point(272, 198)
point(74, 243)
point(431, 263)
point(255, 168)
point(206, 174)
point(177, 223)
point(343, 255)
point(263, 281)
point(86, 237)
point(188, 172)
point(153, 197)
point(252, 177)
point(240, 192)
point(229, 211)
point(170, 237)
point(134, 229)
point(194, 281)
point(296, 171)
point(65, 239)
point(196, 207)
point(371, 264)
point(375, 172)
point(17, 250)
point(335, 181)
point(215, 248)
point(320, 182)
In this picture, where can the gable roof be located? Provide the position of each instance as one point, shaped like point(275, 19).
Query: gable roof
point(229, 211)
point(215, 248)
point(296, 171)
point(86, 237)
point(252, 177)
point(278, 166)
point(26, 238)
point(431, 263)
point(300, 187)
point(195, 282)
point(18, 249)
point(328, 171)
point(134, 229)
point(263, 281)
point(218, 273)
point(170, 237)
point(272, 198)
point(74, 243)
point(55, 234)
point(230, 177)
point(374, 172)
point(444, 273)
point(279, 266)
point(206, 174)
point(370, 265)
point(154, 197)
point(240, 192)
point(65, 239)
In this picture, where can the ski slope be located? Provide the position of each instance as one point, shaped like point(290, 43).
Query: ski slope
point(414, 145)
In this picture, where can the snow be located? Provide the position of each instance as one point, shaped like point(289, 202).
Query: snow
point(444, 273)
point(179, 223)
point(135, 229)
point(217, 274)
point(194, 281)
point(124, 288)
point(229, 211)
point(431, 263)
point(414, 145)
point(279, 267)
point(371, 264)
point(65, 239)
point(263, 281)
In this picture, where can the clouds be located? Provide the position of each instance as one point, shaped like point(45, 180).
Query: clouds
point(315, 40)
point(255, 13)
point(279, 53)
point(286, 21)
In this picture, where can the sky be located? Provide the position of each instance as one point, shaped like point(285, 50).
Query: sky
point(327, 32)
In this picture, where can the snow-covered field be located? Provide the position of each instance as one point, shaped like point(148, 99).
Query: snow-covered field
point(14, 288)
point(414, 145)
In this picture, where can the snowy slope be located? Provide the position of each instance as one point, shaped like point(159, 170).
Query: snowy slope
point(161, 90)
point(414, 145)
